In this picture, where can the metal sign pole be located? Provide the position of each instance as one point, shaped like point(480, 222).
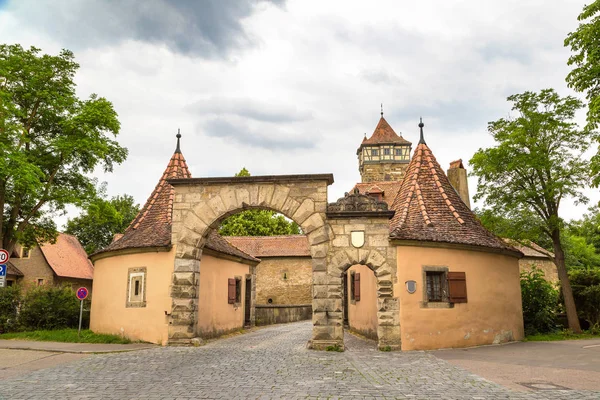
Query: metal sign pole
point(80, 314)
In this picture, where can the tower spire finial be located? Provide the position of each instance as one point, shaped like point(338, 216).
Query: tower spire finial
point(178, 136)
point(421, 125)
point(381, 110)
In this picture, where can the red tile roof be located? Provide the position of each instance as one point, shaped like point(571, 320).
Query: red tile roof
point(384, 134)
point(389, 188)
point(67, 258)
point(429, 209)
point(221, 244)
point(272, 246)
point(152, 226)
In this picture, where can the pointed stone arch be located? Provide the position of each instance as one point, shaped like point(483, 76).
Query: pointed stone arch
point(200, 204)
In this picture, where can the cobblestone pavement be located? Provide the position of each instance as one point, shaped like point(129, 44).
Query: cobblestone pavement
point(265, 364)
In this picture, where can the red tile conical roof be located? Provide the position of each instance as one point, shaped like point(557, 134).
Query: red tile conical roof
point(429, 209)
point(152, 226)
point(384, 134)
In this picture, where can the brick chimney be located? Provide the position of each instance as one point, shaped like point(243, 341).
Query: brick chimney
point(457, 175)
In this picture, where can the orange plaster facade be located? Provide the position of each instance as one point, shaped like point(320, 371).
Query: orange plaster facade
point(492, 313)
point(109, 313)
point(215, 315)
point(362, 314)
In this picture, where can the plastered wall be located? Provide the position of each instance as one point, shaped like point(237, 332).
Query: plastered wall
point(109, 313)
point(493, 313)
point(215, 315)
point(362, 314)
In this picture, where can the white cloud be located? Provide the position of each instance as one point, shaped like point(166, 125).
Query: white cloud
point(298, 97)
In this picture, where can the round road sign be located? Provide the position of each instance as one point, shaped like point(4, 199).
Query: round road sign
point(82, 293)
point(4, 256)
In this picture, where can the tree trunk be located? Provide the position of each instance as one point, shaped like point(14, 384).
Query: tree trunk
point(559, 259)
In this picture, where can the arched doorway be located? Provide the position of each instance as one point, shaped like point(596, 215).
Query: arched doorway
point(360, 300)
point(200, 204)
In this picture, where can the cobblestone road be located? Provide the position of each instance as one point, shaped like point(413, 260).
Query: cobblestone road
point(264, 364)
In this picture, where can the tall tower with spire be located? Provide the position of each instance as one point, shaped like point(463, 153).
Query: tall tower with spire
point(384, 156)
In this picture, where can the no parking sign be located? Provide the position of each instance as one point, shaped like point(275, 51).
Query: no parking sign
point(82, 293)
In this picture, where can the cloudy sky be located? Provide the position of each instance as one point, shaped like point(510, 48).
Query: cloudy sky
point(285, 87)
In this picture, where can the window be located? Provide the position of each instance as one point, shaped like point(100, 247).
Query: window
point(238, 290)
point(374, 152)
point(25, 252)
point(10, 283)
point(234, 290)
point(354, 286)
point(136, 287)
point(398, 152)
point(386, 152)
point(40, 282)
point(436, 286)
point(443, 288)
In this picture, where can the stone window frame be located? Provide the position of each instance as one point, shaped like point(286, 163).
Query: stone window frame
point(134, 272)
point(25, 252)
point(435, 304)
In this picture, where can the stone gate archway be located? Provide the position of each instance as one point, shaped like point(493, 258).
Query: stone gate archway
point(360, 235)
point(200, 204)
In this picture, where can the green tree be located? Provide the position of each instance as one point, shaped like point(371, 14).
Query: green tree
point(588, 227)
point(257, 222)
point(524, 227)
point(537, 162)
point(50, 141)
point(585, 61)
point(540, 302)
point(579, 254)
point(101, 220)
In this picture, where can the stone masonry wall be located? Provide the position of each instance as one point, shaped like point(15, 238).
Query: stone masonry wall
point(383, 172)
point(284, 280)
point(201, 204)
point(327, 290)
point(33, 268)
point(526, 264)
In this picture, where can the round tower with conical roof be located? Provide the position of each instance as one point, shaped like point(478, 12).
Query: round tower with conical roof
point(384, 156)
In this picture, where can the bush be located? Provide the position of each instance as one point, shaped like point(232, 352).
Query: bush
point(540, 302)
point(10, 297)
point(586, 292)
point(49, 307)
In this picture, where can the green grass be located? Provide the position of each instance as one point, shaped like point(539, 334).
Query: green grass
point(66, 335)
point(561, 335)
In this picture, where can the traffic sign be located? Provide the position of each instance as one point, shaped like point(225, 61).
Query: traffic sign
point(4, 256)
point(2, 270)
point(82, 293)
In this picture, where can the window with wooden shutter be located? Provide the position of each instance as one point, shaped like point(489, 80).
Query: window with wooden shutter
point(231, 291)
point(457, 287)
point(357, 287)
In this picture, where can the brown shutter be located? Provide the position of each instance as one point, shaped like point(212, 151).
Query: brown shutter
point(231, 291)
point(457, 287)
point(357, 287)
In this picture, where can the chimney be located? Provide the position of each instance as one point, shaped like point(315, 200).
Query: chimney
point(457, 175)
